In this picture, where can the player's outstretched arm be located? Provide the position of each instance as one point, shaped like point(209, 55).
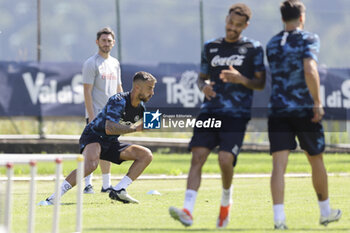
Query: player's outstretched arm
point(232, 75)
point(113, 128)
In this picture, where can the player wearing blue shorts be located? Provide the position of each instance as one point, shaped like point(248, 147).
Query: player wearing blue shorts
point(231, 67)
point(100, 137)
point(295, 108)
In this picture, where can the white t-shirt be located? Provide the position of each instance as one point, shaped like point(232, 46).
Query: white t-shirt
point(104, 75)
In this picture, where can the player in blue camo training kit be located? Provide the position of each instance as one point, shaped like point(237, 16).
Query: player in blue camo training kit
point(231, 67)
point(295, 108)
point(100, 137)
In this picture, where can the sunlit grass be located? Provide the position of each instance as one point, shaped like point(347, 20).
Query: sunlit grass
point(251, 210)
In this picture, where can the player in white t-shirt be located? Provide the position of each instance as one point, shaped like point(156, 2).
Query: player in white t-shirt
point(101, 79)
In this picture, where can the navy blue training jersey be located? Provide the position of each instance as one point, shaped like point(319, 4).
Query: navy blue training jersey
point(119, 110)
point(285, 53)
point(246, 56)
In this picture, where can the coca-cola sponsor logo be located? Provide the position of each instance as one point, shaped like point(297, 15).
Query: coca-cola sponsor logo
point(234, 60)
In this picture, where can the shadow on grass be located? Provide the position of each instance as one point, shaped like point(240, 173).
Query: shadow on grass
point(319, 230)
point(85, 204)
point(68, 203)
point(116, 229)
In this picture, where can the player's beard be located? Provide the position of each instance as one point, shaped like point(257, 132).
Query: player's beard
point(144, 98)
point(105, 49)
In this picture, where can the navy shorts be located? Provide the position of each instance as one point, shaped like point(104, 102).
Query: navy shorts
point(110, 150)
point(282, 133)
point(229, 137)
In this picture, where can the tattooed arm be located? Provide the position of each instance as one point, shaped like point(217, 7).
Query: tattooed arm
point(113, 128)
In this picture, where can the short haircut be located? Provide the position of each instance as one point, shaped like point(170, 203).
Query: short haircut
point(106, 30)
point(143, 76)
point(241, 9)
point(291, 10)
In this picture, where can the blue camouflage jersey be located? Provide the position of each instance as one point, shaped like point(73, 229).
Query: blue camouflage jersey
point(119, 110)
point(246, 56)
point(285, 52)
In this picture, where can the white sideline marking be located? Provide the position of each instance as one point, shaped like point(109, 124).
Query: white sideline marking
point(182, 177)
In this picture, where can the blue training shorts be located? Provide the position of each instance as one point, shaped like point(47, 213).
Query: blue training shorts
point(110, 150)
point(229, 137)
point(283, 130)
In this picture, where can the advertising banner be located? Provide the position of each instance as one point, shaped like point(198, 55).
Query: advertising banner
point(56, 89)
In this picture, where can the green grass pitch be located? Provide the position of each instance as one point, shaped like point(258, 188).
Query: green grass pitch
point(251, 211)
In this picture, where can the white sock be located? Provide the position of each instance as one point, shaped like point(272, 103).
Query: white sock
point(278, 211)
point(124, 183)
point(190, 199)
point(226, 197)
point(88, 180)
point(325, 208)
point(106, 179)
point(65, 186)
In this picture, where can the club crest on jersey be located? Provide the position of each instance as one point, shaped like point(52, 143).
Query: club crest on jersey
point(234, 60)
point(242, 50)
